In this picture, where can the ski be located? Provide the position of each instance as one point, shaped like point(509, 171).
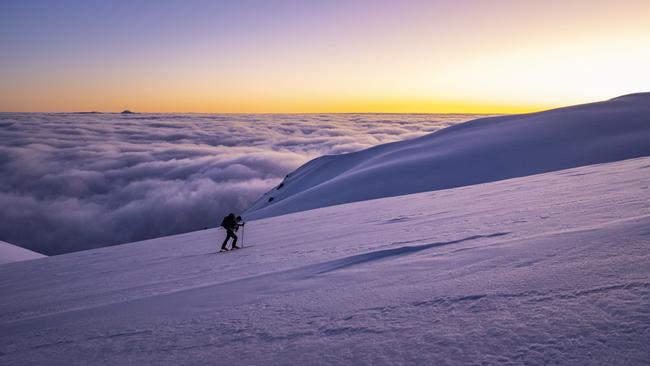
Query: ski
point(233, 250)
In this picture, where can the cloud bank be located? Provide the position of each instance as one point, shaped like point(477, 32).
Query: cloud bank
point(70, 182)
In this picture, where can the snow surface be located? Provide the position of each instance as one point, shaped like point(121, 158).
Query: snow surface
point(12, 253)
point(478, 151)
point(544, 269)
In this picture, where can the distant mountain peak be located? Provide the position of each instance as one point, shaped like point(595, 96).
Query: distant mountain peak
point(642, 95)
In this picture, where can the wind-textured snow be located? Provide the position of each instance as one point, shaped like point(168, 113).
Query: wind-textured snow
point(479, 151)
point(12, 253)
point(538, 270)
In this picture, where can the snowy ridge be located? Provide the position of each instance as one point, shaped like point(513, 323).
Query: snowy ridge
point(543, 269)
point(12, 253)
point(474, 152)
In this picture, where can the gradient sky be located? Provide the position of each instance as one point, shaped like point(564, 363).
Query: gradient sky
point(319, 56)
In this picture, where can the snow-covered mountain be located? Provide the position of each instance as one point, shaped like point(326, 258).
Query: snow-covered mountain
point(504, 266)
point(543, 269)
point(478, 151)
point(12, 253)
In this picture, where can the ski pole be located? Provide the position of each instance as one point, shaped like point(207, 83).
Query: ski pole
point(243, 229)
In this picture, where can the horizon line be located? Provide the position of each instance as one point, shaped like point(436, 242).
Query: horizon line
point(252, 113)
point(500, 111)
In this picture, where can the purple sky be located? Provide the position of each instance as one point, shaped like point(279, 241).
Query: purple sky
point(319, 56)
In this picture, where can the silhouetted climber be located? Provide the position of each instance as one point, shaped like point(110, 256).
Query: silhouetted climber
point(231, 224)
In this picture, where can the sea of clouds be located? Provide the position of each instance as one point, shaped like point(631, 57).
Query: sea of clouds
point(70, 182)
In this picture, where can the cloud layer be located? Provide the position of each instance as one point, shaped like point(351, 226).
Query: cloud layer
point(70, 182)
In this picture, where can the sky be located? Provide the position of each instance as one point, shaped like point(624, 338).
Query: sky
point(284, 56)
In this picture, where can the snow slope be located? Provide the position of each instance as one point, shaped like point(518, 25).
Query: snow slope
point(544, 269)
point(478, 151)
point(12, 253)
